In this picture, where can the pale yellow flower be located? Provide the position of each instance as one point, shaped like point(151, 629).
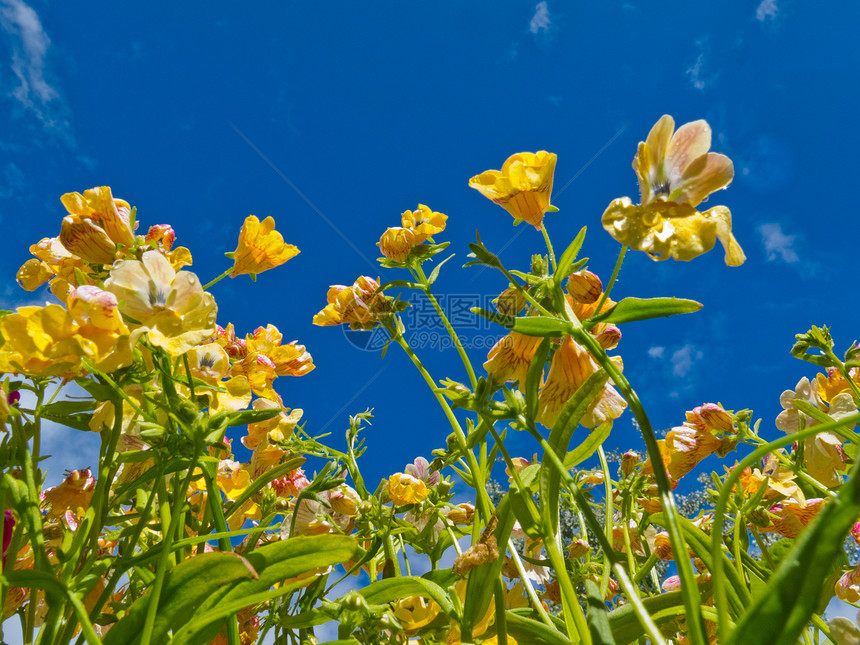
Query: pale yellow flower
point(510, 357)
point(415, 612)
point(676, 173)
point(260, 247)
point(522, 187)
point(170, 306)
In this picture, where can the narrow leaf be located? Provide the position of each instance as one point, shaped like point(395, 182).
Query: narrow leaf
point(633, 309)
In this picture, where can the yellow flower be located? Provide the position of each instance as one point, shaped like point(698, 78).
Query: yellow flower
point(359, 306)
point(569, 369)
point(415, 612)
point(74, 493)
point(423, 222)
point(676, 173)
point(289, 360)
point(522, 187)
point(170, 306)
point(51, 341)
point(406, 489)
point(510, 357)
point(52, 262)
point(396, 243)
point(96, 225)
point(279, 428)
point(260, 247)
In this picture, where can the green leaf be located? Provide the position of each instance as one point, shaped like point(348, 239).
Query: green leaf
point(393, 589)
point(699, 543)
point(435, 274)
point(186, 586)
point(244, 417)
point(528, 325)
point(625, 624)
point(270, 475)
point(275, 563)
point(533, 378)
point(598, 616)
point(779, 615)
point(532, 632)
point(567, 258)
point(633, 309)
point(589, 446)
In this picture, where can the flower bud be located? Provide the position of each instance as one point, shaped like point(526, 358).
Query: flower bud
point(396, 243)
point(629, 462)
point(584, 287)
point(510, 302)
point(578, 548)
point(608, 338)
point(461, 514)
point(344, 500)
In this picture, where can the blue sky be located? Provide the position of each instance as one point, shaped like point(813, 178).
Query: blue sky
point(334, 119)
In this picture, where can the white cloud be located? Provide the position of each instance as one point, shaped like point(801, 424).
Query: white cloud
point(683, 359)
point(766, 10)
point(656, 352)
point(540, 21)
point(698, 73)
point(777, 244)
point(29, 53)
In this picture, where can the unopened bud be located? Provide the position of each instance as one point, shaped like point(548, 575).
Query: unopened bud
point(584, 287)
point(758, 518)
point(629, 462)
point(609, 337)
point(577, 549)
point(663, 547)
point(510, 302)
point(716, 418)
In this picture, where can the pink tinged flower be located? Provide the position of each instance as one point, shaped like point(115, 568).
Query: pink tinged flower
point(420, 469)
point(848, 586)
point(711, 417)
point(855, 533)
point(290, 485)
point(90, 305)
point(790, 517)
point(162, 235)
point(672, 583)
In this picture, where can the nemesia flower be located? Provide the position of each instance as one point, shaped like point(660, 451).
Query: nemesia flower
point(461, 514)
point(522, 187)
point(289, 360)
point(780, 481)
point(161, 237)
point(290, 485)
point(8, 527)
point(420, 469)
point(344, 499)
point(260, 247)
point(848, 586)
point(396, 243)
point(676, 173)
point(405, 489)
point(571, 366)
point(73, 494)
point(278, 428)
point(510, 358)
point(423, 223)
point(96, 226)
point(415, 612)
point(833, 383)
point(170, 306)
point(578, 548)
point(790, 517)
point(359, 306)
point(49, 341)
point(684, 447)
point(823, 453)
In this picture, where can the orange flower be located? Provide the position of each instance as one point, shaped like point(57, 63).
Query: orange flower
point(73, 494)
point(510, 357)
point(522, 187)
point(570, 367)
point(359, 306)
point(790, 517)
point(260, 247)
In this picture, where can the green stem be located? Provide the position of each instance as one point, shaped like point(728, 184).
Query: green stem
point(610, 511)
point(549, 247)
point(419, 272)
point(612, 280)
point(638, 607)
point(163, 561)
point(530, 590)
point(484, 503)
point(218, 279)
